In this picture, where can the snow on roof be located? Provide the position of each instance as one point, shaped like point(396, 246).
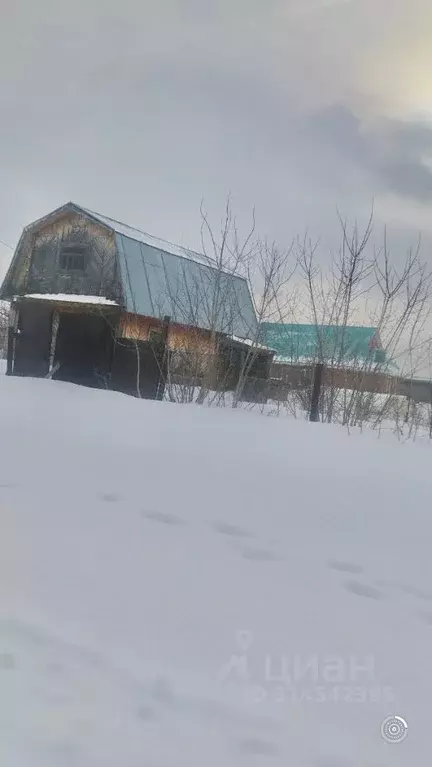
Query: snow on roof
point(250, 342)
point(71, 298)
point(351, 364)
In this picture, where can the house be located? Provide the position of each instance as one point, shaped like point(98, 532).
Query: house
point(96, 302)
point(353, 357)
point(334, 345)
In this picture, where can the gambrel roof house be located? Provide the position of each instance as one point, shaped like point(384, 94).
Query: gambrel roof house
point(150, 277)
point(86, 289)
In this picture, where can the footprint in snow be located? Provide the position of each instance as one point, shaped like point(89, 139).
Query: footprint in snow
point(406, 588)
point(146, 713)
point(345, 567)
point(232, 530)
point(362, 590)
point(164, 519)
point(260, 555)
point(416, 592)
point(110, 497)
point(257, 747)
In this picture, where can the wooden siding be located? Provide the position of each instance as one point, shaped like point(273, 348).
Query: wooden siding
point(19, 275)
point(99, 275)
point(35, 266)
point(135, 327)
point(180, 337)
point(71, 220)
point(185, 338)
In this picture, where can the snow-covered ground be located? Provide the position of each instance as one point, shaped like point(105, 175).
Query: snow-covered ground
point(186, 586)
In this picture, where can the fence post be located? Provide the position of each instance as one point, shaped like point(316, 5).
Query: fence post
point(316, 392)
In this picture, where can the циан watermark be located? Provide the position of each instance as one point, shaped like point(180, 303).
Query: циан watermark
point(296, 678)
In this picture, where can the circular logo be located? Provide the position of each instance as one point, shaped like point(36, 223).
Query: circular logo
point(394, 729)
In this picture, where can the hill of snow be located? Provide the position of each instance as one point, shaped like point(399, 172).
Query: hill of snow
point(185, 586)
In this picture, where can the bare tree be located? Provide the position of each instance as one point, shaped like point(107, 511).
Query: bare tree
point(359, 286)
point(269, 274)
point(224, 337)
point(230, 255)
point(205, 302)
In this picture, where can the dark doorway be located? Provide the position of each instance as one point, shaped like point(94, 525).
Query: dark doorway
point(33, 340)
point(84, 349)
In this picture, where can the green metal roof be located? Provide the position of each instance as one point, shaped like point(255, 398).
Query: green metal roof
point(328, 343)
point(162, 279)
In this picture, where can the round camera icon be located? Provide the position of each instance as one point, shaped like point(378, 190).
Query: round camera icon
point(394, 729)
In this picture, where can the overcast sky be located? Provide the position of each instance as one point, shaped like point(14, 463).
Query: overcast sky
point(140, 109)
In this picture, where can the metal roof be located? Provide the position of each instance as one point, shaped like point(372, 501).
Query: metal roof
point(162, 279)
point(149, 239)
point(330, 343)
point(157, 283)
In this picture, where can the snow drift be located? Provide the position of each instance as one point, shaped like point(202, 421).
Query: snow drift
point(192, 586)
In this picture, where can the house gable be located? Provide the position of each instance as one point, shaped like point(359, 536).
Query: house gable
point(64, 252)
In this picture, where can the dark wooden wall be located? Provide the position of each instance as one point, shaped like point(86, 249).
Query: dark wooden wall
point(139, 368)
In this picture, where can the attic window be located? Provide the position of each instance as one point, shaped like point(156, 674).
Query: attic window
point(73, 257)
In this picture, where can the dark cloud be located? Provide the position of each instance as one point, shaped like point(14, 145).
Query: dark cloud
point(408, 179)
point(415, 139)
point(140, 109)
point(401, 150)
point(392, 152)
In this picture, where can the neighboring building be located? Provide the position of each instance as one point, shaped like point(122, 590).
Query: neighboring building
point(97, 302)
point(343, 346)
point(353, 358)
